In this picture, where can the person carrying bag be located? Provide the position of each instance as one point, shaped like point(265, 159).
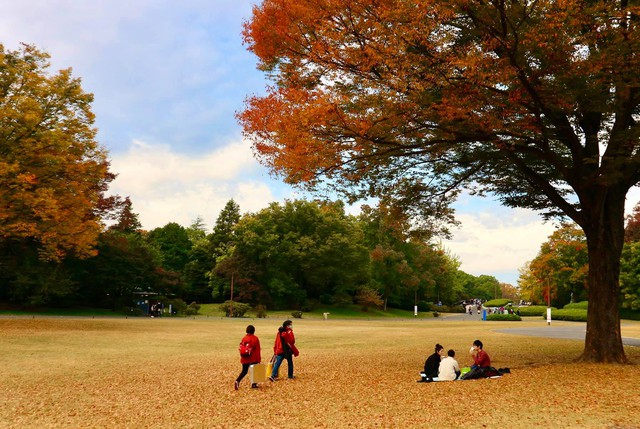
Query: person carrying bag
point(284, 348)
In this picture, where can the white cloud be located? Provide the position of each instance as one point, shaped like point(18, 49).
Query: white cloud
point(497, 240)
point(166, 186)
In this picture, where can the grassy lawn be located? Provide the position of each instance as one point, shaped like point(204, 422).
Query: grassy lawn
point(351, 312)
point(179, 372)
point(212, 310)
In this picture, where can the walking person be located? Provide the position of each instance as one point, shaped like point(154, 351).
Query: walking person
point(249, 354)
point(284, 348)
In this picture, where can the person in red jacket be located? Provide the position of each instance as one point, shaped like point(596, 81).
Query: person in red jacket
point(249, 354)
point(284, 348)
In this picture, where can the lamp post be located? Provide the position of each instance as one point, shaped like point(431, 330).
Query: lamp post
point(231, 303)
point(548, 302)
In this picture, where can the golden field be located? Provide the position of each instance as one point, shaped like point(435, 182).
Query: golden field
point(179, 373)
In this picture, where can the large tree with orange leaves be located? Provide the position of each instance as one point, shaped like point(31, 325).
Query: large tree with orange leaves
point(53, 174)
point(535, 102)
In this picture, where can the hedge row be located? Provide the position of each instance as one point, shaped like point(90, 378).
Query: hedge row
point(503, 317)
point(570, 314)
point(534, 310)
point(581, 305)
point(499, 302)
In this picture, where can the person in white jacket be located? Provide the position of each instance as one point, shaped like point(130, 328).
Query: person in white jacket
point(449, 369)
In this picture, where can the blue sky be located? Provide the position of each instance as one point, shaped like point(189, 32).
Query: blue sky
point(167, 78)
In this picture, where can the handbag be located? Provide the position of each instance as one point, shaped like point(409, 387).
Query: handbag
point(258, 373)
point(270, 365)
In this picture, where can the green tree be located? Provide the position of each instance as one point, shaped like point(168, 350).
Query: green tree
point(535, 103)
point(482, 287)
point(630, 262)
point(630, 276)
point(560, 270)
point(197, 231)
point(221, 245)
point(301, 251)
point(405, 266)
point(197, 270)
point(223, 230)
point(125, 264)
point(172, 240)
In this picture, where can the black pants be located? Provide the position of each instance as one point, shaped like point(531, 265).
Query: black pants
point(245, 370)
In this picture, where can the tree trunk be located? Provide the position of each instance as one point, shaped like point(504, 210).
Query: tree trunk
point(604, 229)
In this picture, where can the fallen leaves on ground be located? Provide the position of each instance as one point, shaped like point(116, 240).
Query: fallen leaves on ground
point(61, 373)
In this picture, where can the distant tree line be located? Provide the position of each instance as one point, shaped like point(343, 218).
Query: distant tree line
point(64, 242)
point(297, 255)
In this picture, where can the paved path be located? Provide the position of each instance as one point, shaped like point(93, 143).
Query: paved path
point(576, 332)
point(568, 332)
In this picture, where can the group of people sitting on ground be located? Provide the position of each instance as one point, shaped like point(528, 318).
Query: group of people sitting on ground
point(444, 367)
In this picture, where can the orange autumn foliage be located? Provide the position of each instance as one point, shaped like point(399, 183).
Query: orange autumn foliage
point(360, 83)
point(52, 171)
point(535, 102)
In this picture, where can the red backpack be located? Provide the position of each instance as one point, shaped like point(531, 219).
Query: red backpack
point(245, 349)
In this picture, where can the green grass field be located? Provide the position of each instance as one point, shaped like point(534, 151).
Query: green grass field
point(74, 372)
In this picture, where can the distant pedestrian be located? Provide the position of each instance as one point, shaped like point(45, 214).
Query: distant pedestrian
point(249, 354)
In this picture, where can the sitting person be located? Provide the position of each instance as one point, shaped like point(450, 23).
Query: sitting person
point(432, 364)
point(449, 368)
point(480, 357)
point(481, 367)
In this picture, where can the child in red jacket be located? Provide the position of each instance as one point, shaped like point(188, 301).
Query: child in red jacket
point(249, 354)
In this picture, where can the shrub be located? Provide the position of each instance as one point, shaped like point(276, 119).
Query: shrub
point(436, 314)
point(192, 309)
point(368, 297)
point(581, 305)
point(309, 305)
point(572, 314)
point(133, 311)
point(342, 300)
point(239, 308)
point(326, 299)
point(629, 314)
point(423, 306)
point(504, 317)
point(533, 310)
point(178, 306)
point(261, 311)
point(442, 308)
point(499, 302)
point(451, 309)
point(297, 314)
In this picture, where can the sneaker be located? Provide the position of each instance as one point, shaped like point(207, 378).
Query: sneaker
point(254, 386)
point(271, 379)
point(292, 377)
point(236, 385)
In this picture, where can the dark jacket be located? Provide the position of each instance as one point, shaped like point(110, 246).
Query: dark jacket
point(432, 365)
